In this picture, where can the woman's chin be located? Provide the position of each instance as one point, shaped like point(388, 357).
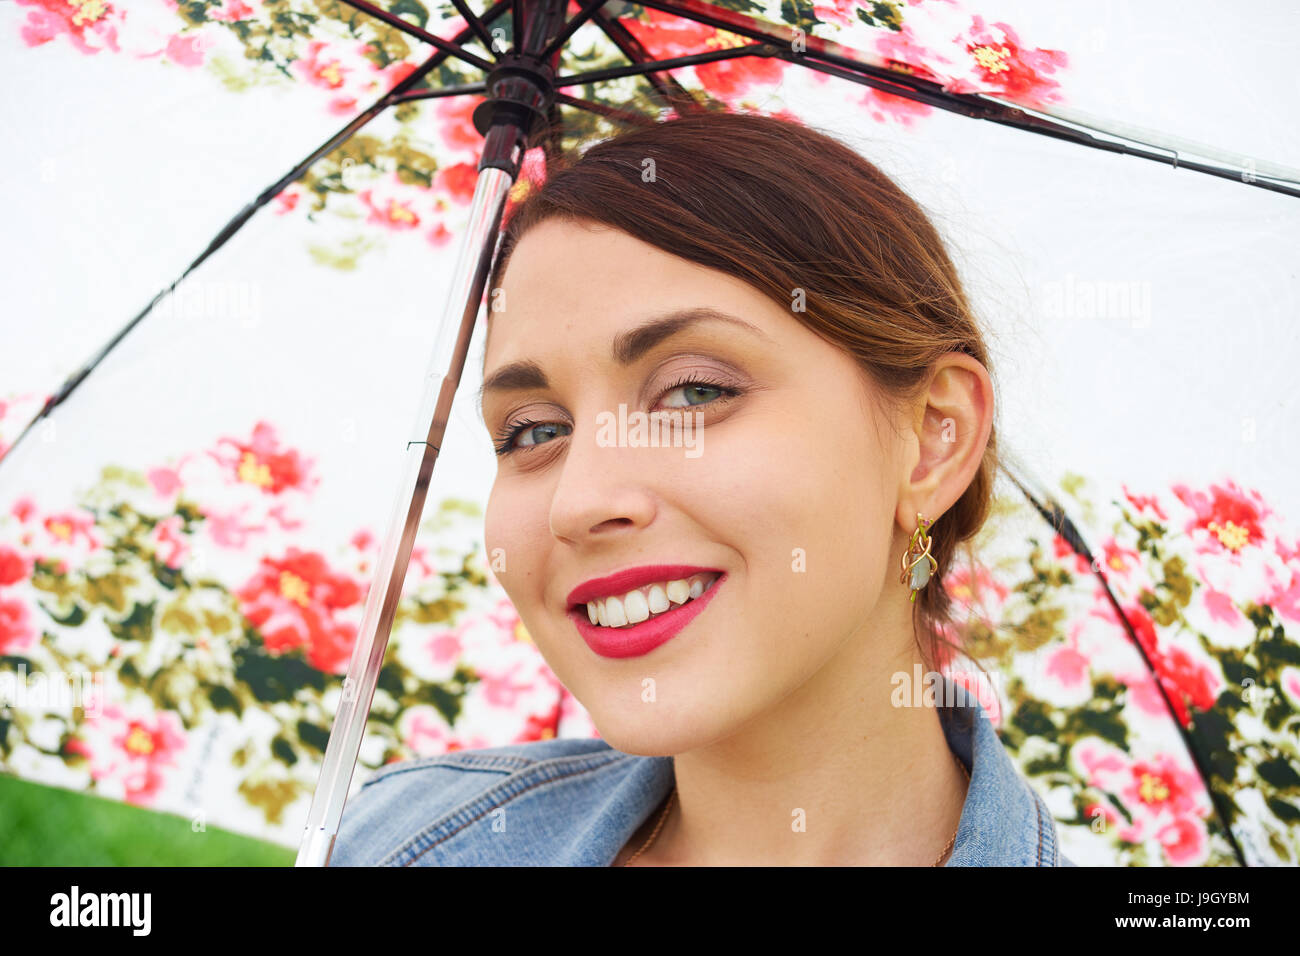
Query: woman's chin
point(648, 735)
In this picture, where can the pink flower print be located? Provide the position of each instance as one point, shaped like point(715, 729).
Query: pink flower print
point(65, 528)
point(228, 530)
point(79, 19)
point(231, 11)
point(500, 690)
point(167, 535)
point(23, 509)
point(445, 646)
point(132, 751)
point(389, 211)
point(1068, 665)
point(319, 70)
point(185, 50)
point(167, 481)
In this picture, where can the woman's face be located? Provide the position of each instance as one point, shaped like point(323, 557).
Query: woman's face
point(790, 490)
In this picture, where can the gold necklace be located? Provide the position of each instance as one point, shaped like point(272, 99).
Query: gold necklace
point(669, 805)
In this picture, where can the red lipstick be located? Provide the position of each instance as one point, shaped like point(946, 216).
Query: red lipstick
point(644, 637)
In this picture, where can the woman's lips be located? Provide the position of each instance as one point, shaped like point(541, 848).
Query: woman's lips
point(644, 637)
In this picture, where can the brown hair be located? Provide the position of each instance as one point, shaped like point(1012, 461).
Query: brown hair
point(785, 207)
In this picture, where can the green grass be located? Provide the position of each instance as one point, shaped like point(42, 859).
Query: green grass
point(47, 826)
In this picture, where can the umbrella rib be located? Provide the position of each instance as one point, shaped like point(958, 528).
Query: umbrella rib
point(395, 95)
point(672, 92)
point(1060, 522)
point(641, 69)
point(475, 24)
point(446, 46)
point(622, 116)
point(578, 19)
point(826, 56)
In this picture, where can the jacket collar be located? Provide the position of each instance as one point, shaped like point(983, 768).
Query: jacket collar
point(582, 804)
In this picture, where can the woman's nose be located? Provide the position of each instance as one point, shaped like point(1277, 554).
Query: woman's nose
point(603, 486)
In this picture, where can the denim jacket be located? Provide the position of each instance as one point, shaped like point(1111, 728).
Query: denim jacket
point(577, 802)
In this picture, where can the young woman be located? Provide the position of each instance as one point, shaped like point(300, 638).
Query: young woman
point(744, 419)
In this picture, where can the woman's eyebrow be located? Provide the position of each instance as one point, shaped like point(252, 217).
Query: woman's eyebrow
point(627, 348)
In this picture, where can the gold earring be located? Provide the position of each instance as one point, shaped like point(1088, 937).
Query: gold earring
point(918, 563)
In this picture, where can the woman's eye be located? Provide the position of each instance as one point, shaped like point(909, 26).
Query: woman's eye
point(693, 390)
point(533, 430)
point(515, 435)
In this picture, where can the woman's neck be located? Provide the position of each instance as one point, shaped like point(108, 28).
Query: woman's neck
point(835, 774)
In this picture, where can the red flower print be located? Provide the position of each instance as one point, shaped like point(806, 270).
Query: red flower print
point(262, 463)
point(292, 602)
point(906, 54)
point(1161, 784)
point(1001, 64)
point(1185, 679)
point(75, 18)
point(344, 106)
point(1143, 502)
point(131, 753)
point(1185, 842)
point(1065, 554)
point(836, 11)
point(458, 181)
point(1227, 513)
point(543, 727)
point(667, 35)
point(318, 70)
point(287, 200)
point(67, 527)
point(231, 11)
point(1115, 557)
point(728, 79)
point(16, 632)
point(1188, 681)
point(455, 114)
point(13, 566)
point(440, 235)
point(390, 212)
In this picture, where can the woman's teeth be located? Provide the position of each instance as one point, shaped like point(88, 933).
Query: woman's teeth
point(649, 601)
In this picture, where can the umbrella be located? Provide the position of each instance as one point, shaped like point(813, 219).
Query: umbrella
point(907, 66)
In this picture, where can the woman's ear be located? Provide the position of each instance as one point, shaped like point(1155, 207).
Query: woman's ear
point(952, 422)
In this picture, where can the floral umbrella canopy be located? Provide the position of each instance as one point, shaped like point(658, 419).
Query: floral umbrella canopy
point(191, 529)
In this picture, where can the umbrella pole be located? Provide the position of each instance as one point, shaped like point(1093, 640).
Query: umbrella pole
point(520, 90)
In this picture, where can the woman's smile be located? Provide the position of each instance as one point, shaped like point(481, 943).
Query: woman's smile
point(638, 621)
